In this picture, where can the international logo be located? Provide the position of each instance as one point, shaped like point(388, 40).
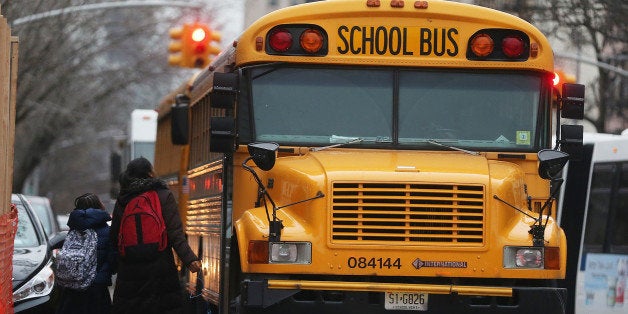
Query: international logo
point(418, 264)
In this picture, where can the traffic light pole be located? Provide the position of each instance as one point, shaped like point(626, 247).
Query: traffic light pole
point(101, 6)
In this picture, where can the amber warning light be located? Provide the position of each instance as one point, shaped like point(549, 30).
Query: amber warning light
point(496, 44)
point(297, 40)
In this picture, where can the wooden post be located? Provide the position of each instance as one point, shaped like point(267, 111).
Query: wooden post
point(8, 87)
point(8, 218)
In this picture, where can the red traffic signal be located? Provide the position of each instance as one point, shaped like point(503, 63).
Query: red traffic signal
point(192, 47)
point(199, 34)
point(197, 42)
point(199, 45)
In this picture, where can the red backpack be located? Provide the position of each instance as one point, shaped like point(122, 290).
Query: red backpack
point(142, 232)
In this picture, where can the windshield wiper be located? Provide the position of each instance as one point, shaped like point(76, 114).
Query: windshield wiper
point(470, 152)
point(348, 140)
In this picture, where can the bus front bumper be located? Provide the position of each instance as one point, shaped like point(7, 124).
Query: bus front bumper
point(304, 295)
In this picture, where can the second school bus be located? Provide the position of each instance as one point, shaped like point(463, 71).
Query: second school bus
point(375, 156)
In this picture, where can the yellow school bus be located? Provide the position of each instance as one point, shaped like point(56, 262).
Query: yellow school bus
point(375, 156)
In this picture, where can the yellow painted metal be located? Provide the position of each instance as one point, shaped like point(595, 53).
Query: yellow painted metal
point(472, 234)
point(383, 287)
point(302, 173)
point(184, 191)
point(339, 17)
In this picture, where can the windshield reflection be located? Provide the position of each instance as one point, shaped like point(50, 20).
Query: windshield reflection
point(315, 106)
point(26, 235)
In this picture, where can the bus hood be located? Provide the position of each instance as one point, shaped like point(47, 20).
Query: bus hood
point(406, 165)
point(376, 187)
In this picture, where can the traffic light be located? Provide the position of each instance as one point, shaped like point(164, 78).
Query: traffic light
point(214, 36)
point(176, 57)
point(191, 45)
point(199, 46)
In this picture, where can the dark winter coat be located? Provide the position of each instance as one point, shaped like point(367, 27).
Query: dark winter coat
point(82, 219)
point(151, 287)
point(96, 298)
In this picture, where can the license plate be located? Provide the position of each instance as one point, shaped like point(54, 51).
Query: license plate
point(410, 301)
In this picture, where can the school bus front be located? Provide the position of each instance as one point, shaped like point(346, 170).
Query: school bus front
point(383, 158)
point(399, 222)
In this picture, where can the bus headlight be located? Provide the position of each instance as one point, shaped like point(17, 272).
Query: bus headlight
point(290, 253)
point(523, 257)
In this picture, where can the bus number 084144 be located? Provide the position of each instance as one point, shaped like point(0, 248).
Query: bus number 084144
point(373, 262)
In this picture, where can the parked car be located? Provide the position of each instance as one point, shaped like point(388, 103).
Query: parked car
point(33, 280)
point(62, 219)
point(42, 208)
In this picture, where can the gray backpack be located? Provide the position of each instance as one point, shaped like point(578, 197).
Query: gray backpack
point(75, 264)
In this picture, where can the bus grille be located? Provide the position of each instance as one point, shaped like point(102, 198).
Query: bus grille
point(421, 214)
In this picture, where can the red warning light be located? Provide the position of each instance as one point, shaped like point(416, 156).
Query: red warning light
point(556, 79)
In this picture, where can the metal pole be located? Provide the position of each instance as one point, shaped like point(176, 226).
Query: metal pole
point(107, 5)
point(606, 66)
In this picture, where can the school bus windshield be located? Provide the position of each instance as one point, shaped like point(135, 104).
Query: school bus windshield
point(405, 108)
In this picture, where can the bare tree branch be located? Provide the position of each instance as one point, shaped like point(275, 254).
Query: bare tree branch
point(75, 68)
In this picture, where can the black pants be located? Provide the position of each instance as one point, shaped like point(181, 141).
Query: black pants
point(93, 300)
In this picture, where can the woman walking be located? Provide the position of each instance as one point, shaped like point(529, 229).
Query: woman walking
point(149, 285)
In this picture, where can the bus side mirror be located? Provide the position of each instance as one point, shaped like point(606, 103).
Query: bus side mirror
point(571, 140)
point(222, 135)
point(179, 120)
point(572, 101)
point(224, 91)
point(263, 154)
point(551, 162)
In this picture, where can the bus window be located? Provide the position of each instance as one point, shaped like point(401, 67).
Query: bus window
point(599, 203)
point(346, 103)
point(142, 135)
point(441, 105)
point(619, 237)
point(144, 149)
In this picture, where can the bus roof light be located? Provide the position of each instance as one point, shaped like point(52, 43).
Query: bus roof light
point(372, 3)
point(420, 4)
point(512, 46)
point(482, 45)
point(311, 40)
point(297, 40)
point(499, 44)
point(396, 3)
point(280, 40)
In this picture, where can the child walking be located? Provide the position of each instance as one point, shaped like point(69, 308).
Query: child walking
point(90, 213)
